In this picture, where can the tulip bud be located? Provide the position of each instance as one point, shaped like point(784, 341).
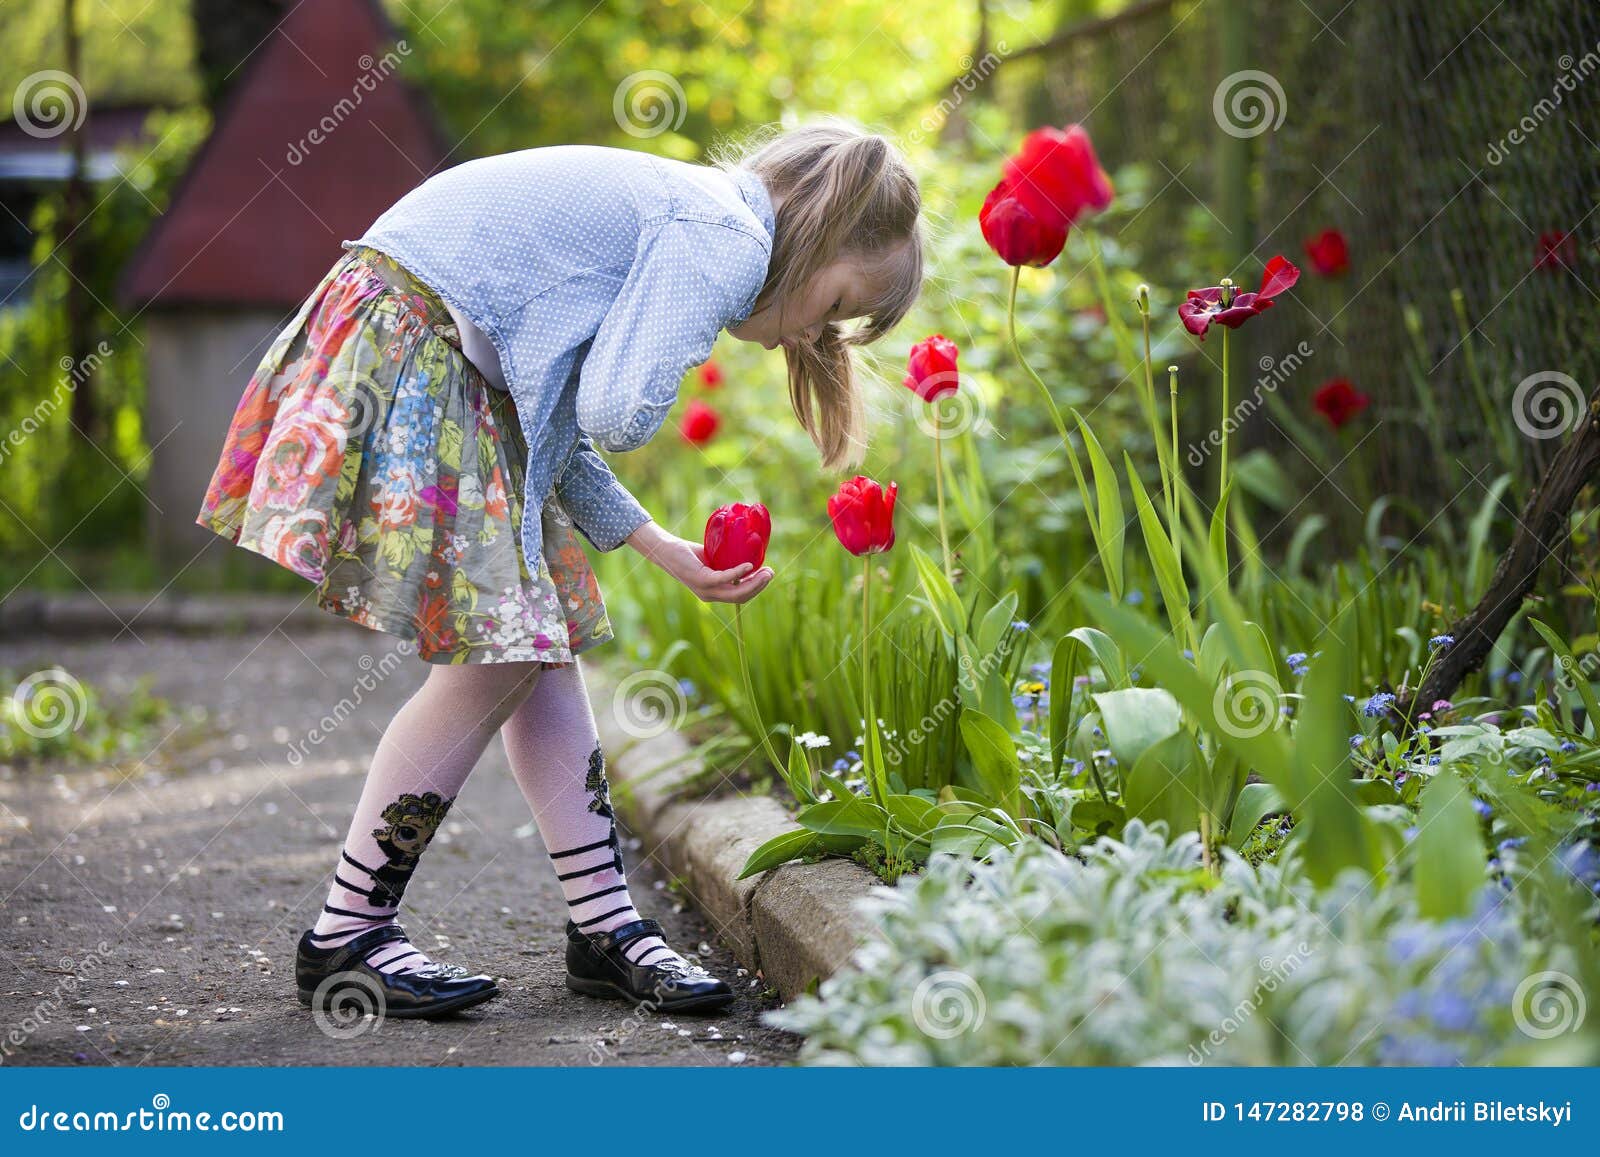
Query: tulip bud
point(862, 513)
point(737, 533)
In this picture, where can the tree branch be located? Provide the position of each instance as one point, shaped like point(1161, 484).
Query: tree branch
point(1541, 532)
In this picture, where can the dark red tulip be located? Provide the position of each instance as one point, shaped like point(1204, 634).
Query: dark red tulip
point(1205, 306)
point(737, 533)
point(1015, 234)
point(931, 369)
point(1557, 250)
point(1057, 177)
point(1339, 401)
point(700, 423)
point(711, 375)
point(863, 515)
point(1328, 253)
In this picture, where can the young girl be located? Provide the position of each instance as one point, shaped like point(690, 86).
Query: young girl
point(421, 441)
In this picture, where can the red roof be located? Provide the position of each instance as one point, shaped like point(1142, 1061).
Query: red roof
point(318, 138)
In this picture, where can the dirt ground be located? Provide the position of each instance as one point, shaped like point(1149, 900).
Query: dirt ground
point(149, 911)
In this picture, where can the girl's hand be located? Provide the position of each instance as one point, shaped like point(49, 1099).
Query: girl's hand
point(686, 562)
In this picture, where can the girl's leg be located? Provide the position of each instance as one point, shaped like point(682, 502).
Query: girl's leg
point(423, 759)
point(555, 756)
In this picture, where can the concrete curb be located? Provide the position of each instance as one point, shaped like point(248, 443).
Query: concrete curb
point(795, 924)
point(36, 613)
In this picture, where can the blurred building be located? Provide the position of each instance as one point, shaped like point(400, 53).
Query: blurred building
point(319, 135)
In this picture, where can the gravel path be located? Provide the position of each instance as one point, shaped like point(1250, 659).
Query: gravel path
point(148, 912)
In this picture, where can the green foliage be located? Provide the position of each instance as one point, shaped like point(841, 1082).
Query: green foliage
point(1133, 954)
point(50, 716)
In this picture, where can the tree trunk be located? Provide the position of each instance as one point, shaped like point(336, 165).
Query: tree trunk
point(1541, 532)
point(71, 247)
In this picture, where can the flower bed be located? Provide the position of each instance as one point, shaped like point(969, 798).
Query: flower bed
point(1071, 631)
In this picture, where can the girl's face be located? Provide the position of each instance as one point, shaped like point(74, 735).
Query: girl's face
point(835, 293)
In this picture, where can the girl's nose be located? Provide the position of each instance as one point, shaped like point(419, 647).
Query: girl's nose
point(814, 333)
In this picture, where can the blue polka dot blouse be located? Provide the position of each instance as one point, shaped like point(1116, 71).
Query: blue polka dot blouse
point(600, 276)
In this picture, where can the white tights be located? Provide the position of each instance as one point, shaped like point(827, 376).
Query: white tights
point(423, 760)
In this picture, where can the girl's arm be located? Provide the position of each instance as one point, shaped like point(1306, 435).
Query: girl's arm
point(686, 562)
point(598, 504)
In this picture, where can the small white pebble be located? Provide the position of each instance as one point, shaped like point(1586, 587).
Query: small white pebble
point(737, 1057)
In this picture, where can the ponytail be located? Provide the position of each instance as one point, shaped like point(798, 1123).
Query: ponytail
point(845, 192)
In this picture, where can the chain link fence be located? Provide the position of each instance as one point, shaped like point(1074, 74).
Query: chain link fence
point(1454, 143)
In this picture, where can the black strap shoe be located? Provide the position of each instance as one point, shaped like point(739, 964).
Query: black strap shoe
point(340, 979)
point(596, 966)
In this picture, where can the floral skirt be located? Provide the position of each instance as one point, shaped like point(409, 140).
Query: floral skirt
point(370, 457)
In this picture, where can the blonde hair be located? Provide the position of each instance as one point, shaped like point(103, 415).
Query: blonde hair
point(845, 193)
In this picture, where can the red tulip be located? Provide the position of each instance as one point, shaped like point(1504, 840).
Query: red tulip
point(863, 515)
point(1015, 234)
point(737, 533)
point(931, 369)
point(1557, 250)
point(710, 375)
point(1204, 306)
point(699, 423)
point(1339, 401)
point(1057, 177)
point(1328, 252)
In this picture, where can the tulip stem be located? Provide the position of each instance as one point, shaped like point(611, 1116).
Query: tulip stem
point(938, 486)
point(866, 669)
point(1016, 348)
point(1172, 510)
point(1153, 415)
point(1222, 474)
point(749, 689)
